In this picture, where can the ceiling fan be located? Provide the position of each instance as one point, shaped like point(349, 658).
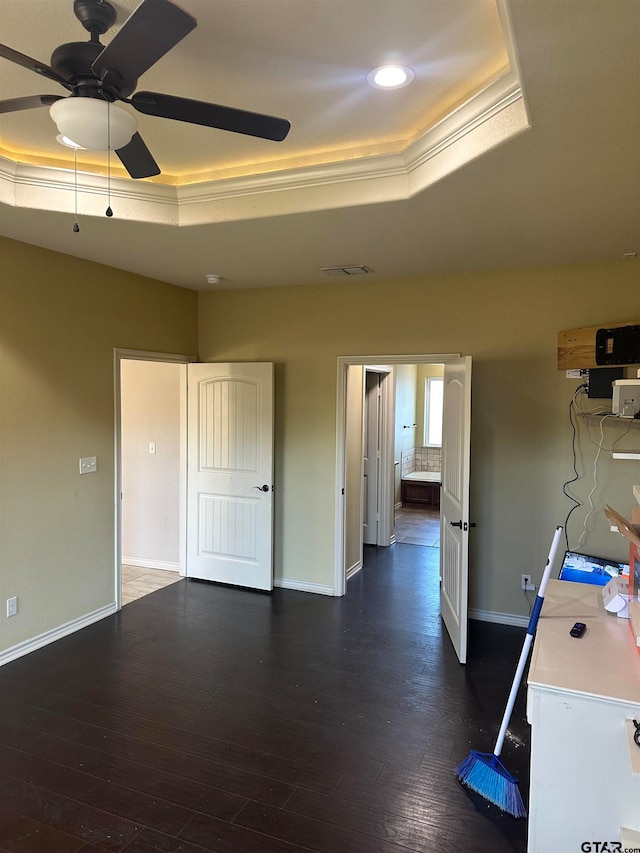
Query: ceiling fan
point(98, 76)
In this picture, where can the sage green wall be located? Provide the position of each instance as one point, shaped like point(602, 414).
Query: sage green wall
point(521, 438)
point(60, 319)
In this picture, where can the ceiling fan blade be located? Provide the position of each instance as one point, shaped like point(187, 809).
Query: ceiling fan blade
point(32, 64)
point(211, 115)
point(12, 105)
point(137, 159)
point(148, 33)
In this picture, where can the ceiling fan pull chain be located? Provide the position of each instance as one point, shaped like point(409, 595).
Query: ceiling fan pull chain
point(109, 212)
point(76, 227)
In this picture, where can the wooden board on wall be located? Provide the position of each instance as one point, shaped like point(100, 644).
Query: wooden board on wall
point(577, 347)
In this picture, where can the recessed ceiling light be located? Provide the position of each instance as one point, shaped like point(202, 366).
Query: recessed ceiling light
point(390, 77)
point(212, 278)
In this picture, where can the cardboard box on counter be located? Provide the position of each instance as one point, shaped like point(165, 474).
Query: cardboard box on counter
point(631, 532)
point(615, 597)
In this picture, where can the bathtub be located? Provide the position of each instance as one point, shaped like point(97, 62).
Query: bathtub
point(424, 476)
point(421, 487)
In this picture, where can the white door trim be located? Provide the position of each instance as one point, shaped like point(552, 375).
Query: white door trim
point(120, 354)
point(344, 361)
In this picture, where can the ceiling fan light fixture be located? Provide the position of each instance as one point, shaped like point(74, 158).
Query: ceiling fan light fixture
point(94, 124)
point(69, 143)
point(390, 77)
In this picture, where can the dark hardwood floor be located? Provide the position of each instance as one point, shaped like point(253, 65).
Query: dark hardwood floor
point(206, 718)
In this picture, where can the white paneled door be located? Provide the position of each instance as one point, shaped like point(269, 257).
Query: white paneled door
point(230, 474)
point(454, 502)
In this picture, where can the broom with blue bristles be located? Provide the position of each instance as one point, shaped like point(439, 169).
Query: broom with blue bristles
point(484, 772)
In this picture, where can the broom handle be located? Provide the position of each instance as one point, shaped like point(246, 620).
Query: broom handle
point(531, 630)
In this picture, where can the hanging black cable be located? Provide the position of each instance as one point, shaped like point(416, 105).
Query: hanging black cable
point(576, 476)
point(622, 434)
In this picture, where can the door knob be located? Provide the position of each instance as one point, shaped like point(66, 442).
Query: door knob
point(264, 488)
point(456, 524)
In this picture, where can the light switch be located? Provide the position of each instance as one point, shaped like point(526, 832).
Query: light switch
point(152, 447)
point(88, 465)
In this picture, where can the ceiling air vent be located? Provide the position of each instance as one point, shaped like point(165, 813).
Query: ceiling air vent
point(355, 269)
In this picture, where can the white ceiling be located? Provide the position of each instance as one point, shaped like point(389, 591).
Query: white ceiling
point(538, 163)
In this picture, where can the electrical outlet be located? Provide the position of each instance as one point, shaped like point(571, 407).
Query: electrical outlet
point(580, 373)
point(12, 606)
point(525, 583)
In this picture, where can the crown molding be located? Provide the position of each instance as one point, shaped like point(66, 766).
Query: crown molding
point(494, 116)
point(50, 188)
point(491, 118)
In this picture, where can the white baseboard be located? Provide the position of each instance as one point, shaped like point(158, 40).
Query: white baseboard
point(150, 564)
point(354, 569)
point(54, 634)
point(303, 586)
point(499, 618)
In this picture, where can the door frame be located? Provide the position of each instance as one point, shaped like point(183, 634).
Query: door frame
point(371, 361)
point(120, 355)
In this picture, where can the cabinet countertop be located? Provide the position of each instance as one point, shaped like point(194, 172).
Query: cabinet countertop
point(603, 663)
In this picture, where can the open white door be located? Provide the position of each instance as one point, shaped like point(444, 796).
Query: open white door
point(454, 502)
point(230, 474)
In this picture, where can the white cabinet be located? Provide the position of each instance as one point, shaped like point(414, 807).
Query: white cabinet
point(580, 694)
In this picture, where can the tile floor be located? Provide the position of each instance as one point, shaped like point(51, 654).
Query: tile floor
point(416, 525)
point(137, 581)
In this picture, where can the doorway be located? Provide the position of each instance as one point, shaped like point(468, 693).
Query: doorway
point(454, 516)
point(229, 431)
point(150, 482)
point(418, 454)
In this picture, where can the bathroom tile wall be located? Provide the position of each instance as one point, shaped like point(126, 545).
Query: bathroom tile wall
point(407, 461)
point(420, 459)
point(428, 459)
